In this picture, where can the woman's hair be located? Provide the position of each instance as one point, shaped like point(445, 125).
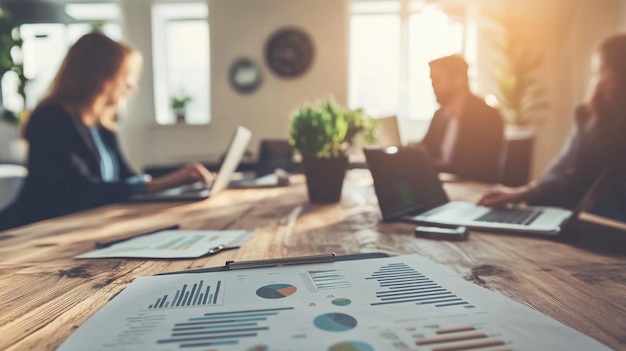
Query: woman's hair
point(613, 51)
point(92, 62)
point(606, 143)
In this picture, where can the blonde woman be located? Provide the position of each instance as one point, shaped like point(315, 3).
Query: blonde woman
point(74, 160)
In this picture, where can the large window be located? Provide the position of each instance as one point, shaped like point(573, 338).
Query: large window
point(181, 61)
point(391, 43)
point(45, 46)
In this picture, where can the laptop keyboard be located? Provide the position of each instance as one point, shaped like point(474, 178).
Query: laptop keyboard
point(510, 216)
point(192, 188)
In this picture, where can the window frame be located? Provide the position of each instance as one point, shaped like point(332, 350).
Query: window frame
point(405, 9)
point(10, 95)
point(160, 74)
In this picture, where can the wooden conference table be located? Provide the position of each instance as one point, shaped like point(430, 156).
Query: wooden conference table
point(45, 294)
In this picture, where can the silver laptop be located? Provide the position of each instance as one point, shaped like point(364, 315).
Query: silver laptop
point(198, 191)
point(408, 188)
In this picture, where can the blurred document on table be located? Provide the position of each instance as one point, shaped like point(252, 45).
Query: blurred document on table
point(174, 244)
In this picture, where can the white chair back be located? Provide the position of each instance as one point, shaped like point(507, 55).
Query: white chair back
point(11, 179)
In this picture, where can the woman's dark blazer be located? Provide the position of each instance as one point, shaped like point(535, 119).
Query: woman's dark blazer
point(63, 170)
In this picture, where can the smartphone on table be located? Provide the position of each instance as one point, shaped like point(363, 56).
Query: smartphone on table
point(441, 233)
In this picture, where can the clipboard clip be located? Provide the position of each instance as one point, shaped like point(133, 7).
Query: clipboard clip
point(214, 250)
point(231, 265)
point(233, 244)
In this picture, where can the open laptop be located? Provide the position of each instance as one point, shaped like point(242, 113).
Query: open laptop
point(408, 188)
point(197, 191)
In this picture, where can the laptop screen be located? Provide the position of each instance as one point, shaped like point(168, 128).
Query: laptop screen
point(405, 180)
point(236, 149)
point(389, 133)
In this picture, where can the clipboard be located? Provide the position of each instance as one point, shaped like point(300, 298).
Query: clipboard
point(359, 302)
point(287, 261)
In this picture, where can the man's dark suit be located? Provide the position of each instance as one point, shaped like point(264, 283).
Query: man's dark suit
point(478, 145)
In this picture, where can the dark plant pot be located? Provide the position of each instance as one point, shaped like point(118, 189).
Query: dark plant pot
point(180, 115)
point(324, 178)
point(517, 160)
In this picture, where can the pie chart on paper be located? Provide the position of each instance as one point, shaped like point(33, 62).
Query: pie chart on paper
point(335, 322)
point(341, 302)
point(258, 348)
point(276, 291)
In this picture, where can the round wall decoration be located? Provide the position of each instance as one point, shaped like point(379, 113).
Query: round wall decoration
point(245, 75)
point(289, 52)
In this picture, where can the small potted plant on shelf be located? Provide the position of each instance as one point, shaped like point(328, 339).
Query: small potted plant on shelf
point(179, 106)
point(322, 133)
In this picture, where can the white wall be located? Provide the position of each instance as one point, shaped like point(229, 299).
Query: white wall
point(564, 33)
point(623, 17)
point(239, 28)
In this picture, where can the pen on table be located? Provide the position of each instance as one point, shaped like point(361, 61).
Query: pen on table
point(102, 244)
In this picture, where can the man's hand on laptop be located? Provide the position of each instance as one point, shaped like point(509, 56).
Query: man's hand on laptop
point(500, 195)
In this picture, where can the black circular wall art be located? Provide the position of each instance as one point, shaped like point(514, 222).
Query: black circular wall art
point(289, 52)
point(245, 75)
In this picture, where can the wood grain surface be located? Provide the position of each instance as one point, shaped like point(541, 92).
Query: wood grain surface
point(45, 293)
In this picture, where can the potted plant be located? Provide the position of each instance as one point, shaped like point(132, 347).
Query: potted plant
point(515, 69)
point(11, 62)
point(321, 133)
point(178, 104)
point(520, 95)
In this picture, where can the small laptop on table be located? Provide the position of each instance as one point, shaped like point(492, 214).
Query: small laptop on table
point(198, 191)
point(408, 188)
point(273, 165)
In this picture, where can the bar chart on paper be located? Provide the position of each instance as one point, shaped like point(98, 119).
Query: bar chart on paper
point(187, 295)
point(400, 283)
point(329, 279)
point(221, 328)
point(447, 337)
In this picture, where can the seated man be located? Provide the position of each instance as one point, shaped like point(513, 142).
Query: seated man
point(465, 136)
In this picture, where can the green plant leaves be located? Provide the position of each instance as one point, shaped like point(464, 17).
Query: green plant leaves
point(327, 129)
point(180, 102)
point(515, 69)
point(11, 61)
point(9, 39)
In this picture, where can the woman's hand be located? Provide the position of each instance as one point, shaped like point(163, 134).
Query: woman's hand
point(191, 173)
point(499, 195)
